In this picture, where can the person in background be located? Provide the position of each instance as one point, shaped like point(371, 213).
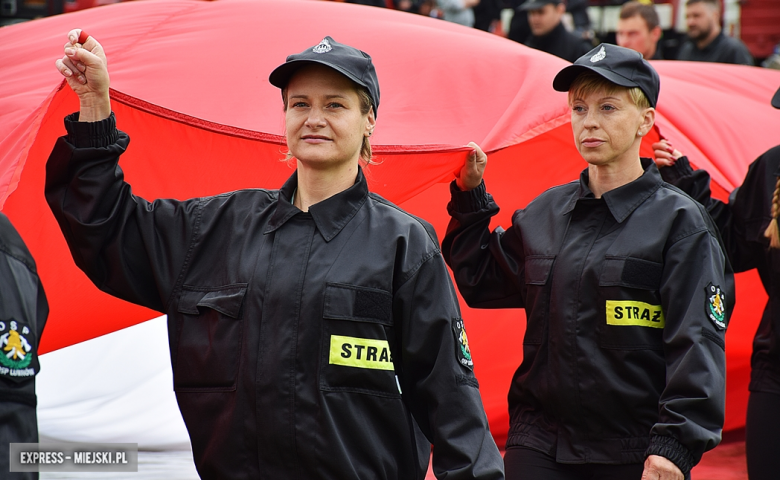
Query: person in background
point(626, 292)
point(458, 11)
point(578, 9)
point(706, 40)
point(773, 60)
point(371, 3)
point(23, 314)
point(749, 227)
point(410, 6)
point(487, 15)
point(548, 33)
point(639, 29)
point(519, 29)
point(314, 329)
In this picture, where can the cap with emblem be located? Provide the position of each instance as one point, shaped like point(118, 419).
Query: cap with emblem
point(537, 4)
point(621, 66)
point(349, 61)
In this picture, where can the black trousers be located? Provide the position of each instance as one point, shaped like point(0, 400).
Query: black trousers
point(522, 463)
point(762, 436)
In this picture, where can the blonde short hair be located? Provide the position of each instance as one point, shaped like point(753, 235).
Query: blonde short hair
point(588, 82)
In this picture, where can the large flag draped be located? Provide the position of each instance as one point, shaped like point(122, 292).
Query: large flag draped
point(189, 84)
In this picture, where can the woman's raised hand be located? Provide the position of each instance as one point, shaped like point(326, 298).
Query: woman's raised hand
point(84, 67)
point(471, 174)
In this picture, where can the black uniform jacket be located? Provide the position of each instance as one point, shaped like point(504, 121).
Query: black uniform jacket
point(561, 43)
point(742, 223)
point(723, 49)
point(23, 313)
point(623, 354)
point(292, 334)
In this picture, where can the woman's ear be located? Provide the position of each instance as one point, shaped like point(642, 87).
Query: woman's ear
point(370, 123)
point(648, 120)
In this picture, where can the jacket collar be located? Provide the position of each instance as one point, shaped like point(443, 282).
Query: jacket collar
point(622, 201)
point(330, 215)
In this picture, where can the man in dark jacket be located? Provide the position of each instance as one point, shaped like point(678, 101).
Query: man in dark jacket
point(706, 41)
point(23, 313)
point(548, 33)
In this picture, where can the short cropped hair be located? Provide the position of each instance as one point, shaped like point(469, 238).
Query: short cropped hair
point(588, 83)
point(647, 12)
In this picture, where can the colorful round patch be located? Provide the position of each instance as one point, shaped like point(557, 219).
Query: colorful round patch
point(462, 350)
point(715, 306)
point(16, 349)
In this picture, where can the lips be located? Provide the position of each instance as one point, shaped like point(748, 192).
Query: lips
point(593, 142)
point(315, 139)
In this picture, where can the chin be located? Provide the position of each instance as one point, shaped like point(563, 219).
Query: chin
point(596, 159)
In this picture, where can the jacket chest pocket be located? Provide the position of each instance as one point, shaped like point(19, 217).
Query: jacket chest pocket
point(537, 297)
point(208, 347)
point(357, 341)
point(630, 313)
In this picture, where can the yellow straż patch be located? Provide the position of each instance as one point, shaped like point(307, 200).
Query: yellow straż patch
point(630, 313)
point(360, 353)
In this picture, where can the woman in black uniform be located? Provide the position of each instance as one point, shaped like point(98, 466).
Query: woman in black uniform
point(748, 225)
point(626, 291)
point(314, 330)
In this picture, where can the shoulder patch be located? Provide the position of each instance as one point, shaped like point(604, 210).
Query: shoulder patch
point(715, 305)
point(17, 350)
point(462, 350)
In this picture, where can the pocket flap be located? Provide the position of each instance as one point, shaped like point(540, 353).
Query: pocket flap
point(225, 300)
point(360, 304)
point(538, 268)
point(631, 272)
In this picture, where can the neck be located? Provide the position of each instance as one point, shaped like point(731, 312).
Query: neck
point(316, 185)
point(603, 178)
point(714, 32)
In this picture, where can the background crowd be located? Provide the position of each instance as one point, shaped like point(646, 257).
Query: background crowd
point(564, 27)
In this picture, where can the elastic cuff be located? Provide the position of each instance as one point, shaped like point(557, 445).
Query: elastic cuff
point(674, 451)
point(681, 168)
point(91, 134)
point(469, 201)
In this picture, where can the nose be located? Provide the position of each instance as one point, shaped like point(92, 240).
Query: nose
point(590, 119)
point(315, 119)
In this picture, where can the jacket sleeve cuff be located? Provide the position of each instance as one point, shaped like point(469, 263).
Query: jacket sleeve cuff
point(469, 201)
point(681, 168)
point(91, 134)
point(674, 451)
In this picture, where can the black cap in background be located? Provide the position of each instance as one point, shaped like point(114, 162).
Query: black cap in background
point(349, 61)
point(537, 4)
point(621, 66)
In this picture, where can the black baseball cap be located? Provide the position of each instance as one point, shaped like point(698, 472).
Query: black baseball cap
point(776, 99)
point(349, 61)
point(619, 65)
point(537, 4)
